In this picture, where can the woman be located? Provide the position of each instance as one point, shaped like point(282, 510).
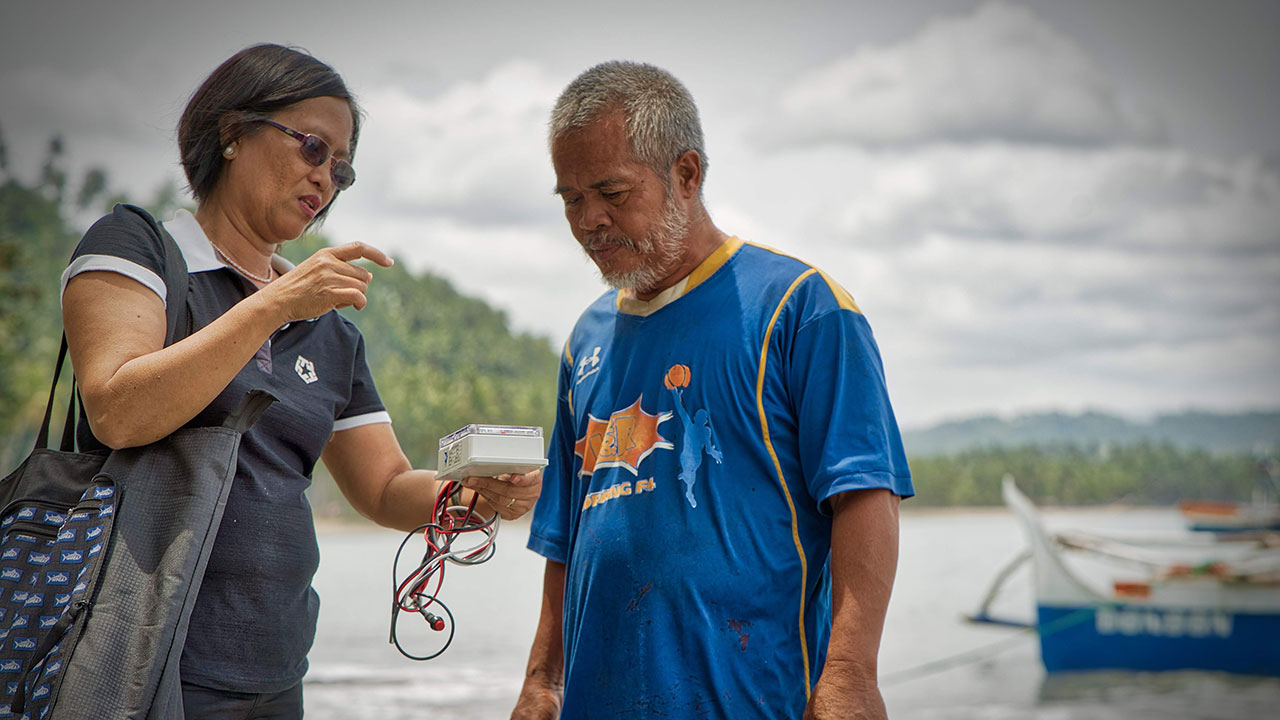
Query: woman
point(266, 142)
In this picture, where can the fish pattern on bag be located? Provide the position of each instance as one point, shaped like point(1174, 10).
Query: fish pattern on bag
point(48, 560)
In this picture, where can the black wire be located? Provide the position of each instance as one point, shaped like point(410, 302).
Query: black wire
point(395, 618)
point(442, 539)
point(396, 606)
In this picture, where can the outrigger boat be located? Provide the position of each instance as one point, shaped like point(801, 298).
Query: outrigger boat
point(1201, 605)
point(1230, 517)
point(1261, 515)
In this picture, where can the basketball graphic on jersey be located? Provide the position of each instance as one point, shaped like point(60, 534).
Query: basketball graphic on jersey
point(677, 376)
point(699, 437)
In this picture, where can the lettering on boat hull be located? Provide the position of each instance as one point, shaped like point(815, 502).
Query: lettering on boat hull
point(1163, 623)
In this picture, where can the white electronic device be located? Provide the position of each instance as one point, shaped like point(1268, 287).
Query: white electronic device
point(489, 450)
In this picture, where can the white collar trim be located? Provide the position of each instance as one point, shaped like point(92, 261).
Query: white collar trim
point(634, 306)
point(198, 251)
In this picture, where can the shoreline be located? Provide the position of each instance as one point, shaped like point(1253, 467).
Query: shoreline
point(907, 509)
point(341, 525)
point(346, 525)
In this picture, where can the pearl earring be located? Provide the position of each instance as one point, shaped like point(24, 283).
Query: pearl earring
point(229, 151)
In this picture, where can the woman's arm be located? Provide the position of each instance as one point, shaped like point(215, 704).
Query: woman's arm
point(137, 391)
point(374, 475)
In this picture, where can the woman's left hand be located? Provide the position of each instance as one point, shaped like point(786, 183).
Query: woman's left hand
point(510, 495)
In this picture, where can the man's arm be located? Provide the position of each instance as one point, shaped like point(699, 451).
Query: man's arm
point(864, 558)
point(544, 677)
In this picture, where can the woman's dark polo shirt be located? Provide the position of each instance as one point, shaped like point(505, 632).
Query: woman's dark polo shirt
point(255, 617)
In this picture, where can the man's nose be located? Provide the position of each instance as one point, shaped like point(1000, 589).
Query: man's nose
point(595, 216)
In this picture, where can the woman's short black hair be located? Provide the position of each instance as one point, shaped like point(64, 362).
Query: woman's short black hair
point(250, 85)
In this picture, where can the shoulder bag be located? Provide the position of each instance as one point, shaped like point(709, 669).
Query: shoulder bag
point(102, 555)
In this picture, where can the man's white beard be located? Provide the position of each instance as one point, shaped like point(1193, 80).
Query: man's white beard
point(660, 250)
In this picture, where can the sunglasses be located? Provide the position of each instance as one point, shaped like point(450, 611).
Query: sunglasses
point(317, 152)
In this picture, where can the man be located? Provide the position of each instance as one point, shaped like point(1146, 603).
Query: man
point(719, 515)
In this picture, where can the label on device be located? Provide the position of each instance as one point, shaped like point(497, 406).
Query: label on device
point(490, 450)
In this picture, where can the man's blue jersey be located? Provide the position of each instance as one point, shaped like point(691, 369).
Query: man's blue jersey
point(694, 448)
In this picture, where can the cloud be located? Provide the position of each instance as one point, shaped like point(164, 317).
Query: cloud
point(540, 278)
point(106, 119)
point(1136, 197)
point(97, 102)
point(1016, 228)
point(455, 178)
point(1000, 73)
point(475, 151)
point(1079, 269)
point(1011, 277)
point(970, 324)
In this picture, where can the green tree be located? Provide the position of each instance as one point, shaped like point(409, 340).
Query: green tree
point(94, 185)
point(53, 178)
point(4, 155)
point(35, 243)
point(1140, 473)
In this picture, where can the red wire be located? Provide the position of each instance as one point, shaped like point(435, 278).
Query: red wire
point(446, 527)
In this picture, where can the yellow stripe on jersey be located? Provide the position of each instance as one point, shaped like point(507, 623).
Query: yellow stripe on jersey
point(627, 303)
point(713, 262)
point(782, 480)
point(843, 298)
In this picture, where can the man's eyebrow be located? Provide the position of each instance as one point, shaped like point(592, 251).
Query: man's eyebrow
point(607, 182)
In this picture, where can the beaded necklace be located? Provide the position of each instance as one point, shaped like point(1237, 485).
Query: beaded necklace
point(256, 278)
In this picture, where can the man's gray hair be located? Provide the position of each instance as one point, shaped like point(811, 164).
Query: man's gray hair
point(662, 121)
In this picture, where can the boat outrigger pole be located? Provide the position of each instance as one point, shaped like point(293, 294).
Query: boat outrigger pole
point(983, 615)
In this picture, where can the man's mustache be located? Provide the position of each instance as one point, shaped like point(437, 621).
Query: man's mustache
point(600, 240)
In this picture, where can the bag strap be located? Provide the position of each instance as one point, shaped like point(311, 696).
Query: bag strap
point(254, 403)
point(42, 438)
point(69, 425)
point(178, 326)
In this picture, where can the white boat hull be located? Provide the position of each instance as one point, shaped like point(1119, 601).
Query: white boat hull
point(1197, 623)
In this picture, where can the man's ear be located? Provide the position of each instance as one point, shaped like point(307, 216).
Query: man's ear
point(686, 173)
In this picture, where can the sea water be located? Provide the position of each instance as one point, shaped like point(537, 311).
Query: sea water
point(933, 664)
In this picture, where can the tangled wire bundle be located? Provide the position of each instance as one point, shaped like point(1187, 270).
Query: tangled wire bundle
point(449, 520)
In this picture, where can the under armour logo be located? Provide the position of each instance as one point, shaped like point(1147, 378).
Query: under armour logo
point(306, 370)
point(593, 361)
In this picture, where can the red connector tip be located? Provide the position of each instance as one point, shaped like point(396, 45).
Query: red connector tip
point(436, 622)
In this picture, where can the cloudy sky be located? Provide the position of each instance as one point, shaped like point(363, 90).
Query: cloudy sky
point(1039, 205)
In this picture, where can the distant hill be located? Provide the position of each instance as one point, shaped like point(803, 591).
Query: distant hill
point(1214, 432)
